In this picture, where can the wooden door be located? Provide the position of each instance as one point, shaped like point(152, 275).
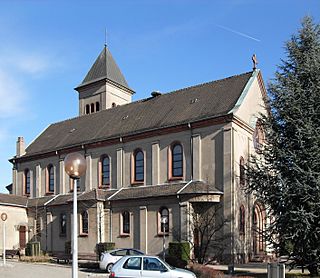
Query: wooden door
point(22, 237)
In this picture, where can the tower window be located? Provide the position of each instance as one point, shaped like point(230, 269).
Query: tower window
point(87, 109)
point(97, 106)
point(27, 182)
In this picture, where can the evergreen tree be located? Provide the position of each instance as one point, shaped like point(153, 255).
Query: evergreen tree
point(285, 174)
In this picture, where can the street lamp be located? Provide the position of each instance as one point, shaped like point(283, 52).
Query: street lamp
point(164, 220)
point(75, 166)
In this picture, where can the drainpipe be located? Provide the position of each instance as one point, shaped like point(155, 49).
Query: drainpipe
point(191, 150)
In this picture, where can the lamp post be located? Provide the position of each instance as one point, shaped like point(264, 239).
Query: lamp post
point(75, 166)
point(4, 217)
point(164, 220)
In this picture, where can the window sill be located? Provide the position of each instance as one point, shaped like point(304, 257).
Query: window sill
point(137, 183)
point(49, 193)
point(175, 178)
point(83, 235)
point(104, 186)
point(124, 235)
point(160, 234)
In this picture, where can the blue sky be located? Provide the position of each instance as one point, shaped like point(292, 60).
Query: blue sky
point(47, 47)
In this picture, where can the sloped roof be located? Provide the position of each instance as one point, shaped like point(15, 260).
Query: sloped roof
point(204, 101)
point(39, 201)
point(104, 67)
point(13, 200)
point(165, 190)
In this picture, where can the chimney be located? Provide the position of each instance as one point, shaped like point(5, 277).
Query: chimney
point(21, 149)
point(156, 93)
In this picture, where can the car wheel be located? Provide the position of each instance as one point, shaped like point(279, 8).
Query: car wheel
point(109, 266)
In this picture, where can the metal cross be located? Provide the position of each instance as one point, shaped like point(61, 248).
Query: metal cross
point(255, 61)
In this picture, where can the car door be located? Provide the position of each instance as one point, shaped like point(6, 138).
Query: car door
point(153, 268)
point(131, 268)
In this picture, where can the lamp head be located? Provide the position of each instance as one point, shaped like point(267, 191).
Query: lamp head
point(75, 165)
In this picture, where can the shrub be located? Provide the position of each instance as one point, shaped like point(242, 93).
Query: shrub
point(33, 249)
point(202, 271)
point(67, 247)
point(180, 250)
point(35, 259)
point(176, 262)
point(104, 246)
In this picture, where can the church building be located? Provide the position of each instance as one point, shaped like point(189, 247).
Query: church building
point(166, 157)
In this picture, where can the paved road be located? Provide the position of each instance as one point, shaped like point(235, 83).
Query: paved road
point(14, 269)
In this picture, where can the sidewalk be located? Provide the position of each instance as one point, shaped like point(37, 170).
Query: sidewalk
point(251, 269)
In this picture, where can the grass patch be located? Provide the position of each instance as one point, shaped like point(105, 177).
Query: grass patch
point(36, 259)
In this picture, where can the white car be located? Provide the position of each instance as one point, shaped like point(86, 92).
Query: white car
point(108, 258)
point(147, 267)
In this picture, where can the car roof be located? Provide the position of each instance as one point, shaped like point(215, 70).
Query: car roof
point(119, 249)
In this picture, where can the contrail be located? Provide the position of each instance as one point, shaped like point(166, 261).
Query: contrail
point(238, 33)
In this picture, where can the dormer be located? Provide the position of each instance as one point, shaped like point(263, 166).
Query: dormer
point(104, 86)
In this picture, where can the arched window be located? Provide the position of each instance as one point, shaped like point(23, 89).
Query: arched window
point(113, 104)
point(242, 171)
point(27, 182)
point(163, 220)
point(176, 160)
point(105, 171)
point(87, 109)
point(242, 223)
point(50, 179)
point(138, 166)
point(92, 107)
point(97, 106)
point(125, 222)
point(84, 222)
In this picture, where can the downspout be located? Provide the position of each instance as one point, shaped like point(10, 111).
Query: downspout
point(191, 150)
point(232, 199)
point(110, 223)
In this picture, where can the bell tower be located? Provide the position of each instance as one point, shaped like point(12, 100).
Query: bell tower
point(104, 86)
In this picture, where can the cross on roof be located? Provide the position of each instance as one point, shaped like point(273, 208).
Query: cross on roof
point(255, 61)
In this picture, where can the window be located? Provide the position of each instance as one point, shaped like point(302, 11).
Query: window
point(176, 161)
point(63, 224)
point(125, 217)
point(71, 183)
point(84, 222)
point(153, 264)
point(27, 182)
point(242, 171)
point(50, 179)
point(87, 109)
point(105, 171)
point(138, 166)
point(92, 107)
point(242, 223)
point(164, 221)
point(133, 263)
point(97, 106)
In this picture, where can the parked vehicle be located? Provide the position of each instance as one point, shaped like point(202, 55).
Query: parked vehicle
point(108, 258)
point(147, 267)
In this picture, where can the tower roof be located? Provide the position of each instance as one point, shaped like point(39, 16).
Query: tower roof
point(104, 67)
